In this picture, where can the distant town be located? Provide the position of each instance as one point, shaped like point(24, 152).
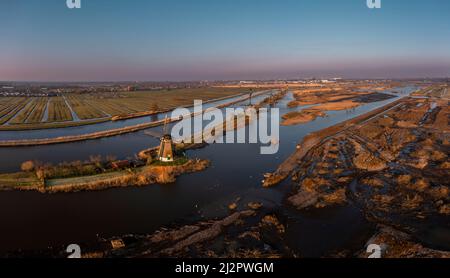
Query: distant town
point(53, 89)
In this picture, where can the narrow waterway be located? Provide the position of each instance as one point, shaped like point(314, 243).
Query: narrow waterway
point(31, 220)
point(85, 129)
point(123, 146)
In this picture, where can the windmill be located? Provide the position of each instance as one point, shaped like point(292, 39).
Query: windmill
point(250, 97)
point(165, 152)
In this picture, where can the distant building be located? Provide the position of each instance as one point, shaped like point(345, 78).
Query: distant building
point(327, 81)
point(131, 88)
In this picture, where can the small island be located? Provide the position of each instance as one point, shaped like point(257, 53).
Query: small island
point(156, 165)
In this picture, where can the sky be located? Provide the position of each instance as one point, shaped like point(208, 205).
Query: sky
point(180, 40)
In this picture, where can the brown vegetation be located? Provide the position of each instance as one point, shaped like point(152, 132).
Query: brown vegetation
point(96, 174)
point(208, 239)
point(316, 138)
point(327, 99)
point(305, 116)
point(388, 169)
point(396, 244)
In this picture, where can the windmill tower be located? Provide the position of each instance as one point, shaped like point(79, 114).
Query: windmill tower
point(165, 153)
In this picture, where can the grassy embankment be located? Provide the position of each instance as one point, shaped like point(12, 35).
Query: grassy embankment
point(77, 176)
point(11, 109)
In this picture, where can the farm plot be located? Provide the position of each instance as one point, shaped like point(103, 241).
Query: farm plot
point(176, 98)
point(19, 113)
point(5, 102)
point(83, 109)
point(23, 114)
point(58, 110)
point(131, 102)
point(12, 109)
point(38, 113)
point(111, 107)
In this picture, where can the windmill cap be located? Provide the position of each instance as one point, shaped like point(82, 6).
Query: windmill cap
point(167, 137)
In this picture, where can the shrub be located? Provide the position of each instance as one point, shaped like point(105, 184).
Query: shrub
point(27, 166)
point(40, 174)
point(149, 160)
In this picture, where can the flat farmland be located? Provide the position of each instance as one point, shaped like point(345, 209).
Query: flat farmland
point(37, 114)
point(84, 109)
point(133, 102)
point(58, 111)
point(23, 114)
point(70, 109)
point(11, 109)
point(5, 103)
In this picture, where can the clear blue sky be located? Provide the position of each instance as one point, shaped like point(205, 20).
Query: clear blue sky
point(222, 39)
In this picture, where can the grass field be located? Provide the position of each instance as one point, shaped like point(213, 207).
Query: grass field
point(84, 109)
point(12, 108)
point(23, 114)
point(31, 113)
point(17, 113)
point(37, 114)
point(18, 179)
point(58, 111)
point(5, 103)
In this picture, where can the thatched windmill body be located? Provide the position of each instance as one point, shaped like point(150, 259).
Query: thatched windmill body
point(165, 153)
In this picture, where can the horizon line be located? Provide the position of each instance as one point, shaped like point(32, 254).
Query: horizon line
point(225, 80)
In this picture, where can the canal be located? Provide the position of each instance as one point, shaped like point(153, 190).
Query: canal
point(31, 220)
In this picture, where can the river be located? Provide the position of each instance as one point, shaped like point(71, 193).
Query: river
point(31, 220)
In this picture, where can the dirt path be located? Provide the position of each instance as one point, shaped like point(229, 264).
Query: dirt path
point(85, 179)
